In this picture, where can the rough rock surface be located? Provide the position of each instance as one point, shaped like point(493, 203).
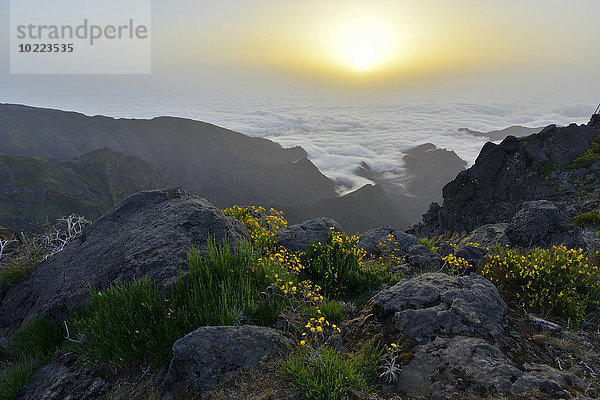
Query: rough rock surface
point(64, 379)
point(421, 257)
point(210, 355)
point(369, 241)
point(437, 304)
point(478, 368)
point(148, 234)
point(506, 175)
point(489, 236)
point(473, 255)
point(459, 326)
point(299, 237)
point(542, 224)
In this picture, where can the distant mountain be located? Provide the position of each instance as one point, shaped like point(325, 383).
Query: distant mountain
point(356, 212)
point(222, 165)
point(33, 190)
point(425, 171)
point(494, 136)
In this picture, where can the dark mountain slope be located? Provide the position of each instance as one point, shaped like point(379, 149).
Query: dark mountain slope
point(426, 169)
point(223, 165)
point(356, 212)
point(33, 190)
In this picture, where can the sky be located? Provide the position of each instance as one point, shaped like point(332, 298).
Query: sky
point(475, 50)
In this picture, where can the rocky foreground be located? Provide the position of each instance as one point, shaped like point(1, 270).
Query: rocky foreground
point(456, 335)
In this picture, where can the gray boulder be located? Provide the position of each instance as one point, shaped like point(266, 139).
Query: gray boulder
point(437, 304)
point(542, 224)
point(488, 236)
point(301, 236)
point(477, 368)
point(473, 255)
point(421, 257)
point(148, 234)
point(369, 241)
point(204, 358)
point(64, 379)
point(459, 324)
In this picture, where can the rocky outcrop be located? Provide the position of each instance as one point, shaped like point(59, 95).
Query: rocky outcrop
point(423, 258)
point(300, 237)
point(63, 379)
point(371, 239)
point(210, 355)
point(436, 304)
point(542, 224)
point(477, 368)
point(506, 175)
point(149, 234)
point(488, 236)
point(459, 325)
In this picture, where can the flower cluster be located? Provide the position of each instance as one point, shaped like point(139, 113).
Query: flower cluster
point(262, 225)
point(283, 257)
point(456, 265)
point(390, 251)
point(318, 330)
point(336, 265)
point(556, 281)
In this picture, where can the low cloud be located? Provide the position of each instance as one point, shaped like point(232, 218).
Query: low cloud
point(339, 134)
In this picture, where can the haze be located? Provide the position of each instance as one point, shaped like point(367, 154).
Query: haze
point(464, 49)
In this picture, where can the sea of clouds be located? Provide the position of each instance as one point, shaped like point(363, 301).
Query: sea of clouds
point(337, 133)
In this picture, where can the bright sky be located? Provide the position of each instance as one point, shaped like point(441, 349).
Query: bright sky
point(464, 48)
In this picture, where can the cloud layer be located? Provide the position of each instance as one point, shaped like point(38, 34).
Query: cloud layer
point(337, 134)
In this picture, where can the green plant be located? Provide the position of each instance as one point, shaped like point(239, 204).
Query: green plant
point(588, 157)
point(326, 374)
point(15, 376)
point(337, 267)
point(559, 282)
point(262, 225)
point(591, 218)
point(19, 266)
point(37, 338)
point(427, 243)
point(546, 169)
point(139, 318)
point(333, 310)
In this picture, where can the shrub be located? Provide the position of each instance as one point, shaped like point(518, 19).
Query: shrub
point(37, 338)
point(336, 266)
point(588, 157)
point(140, 318)
point(19, 266)
point(261, 224)
point(15, 376)
point(326, 374)
point(555, 282)
point(427, 243)
point(588, 219)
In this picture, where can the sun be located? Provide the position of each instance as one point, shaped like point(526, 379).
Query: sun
point(364, 44)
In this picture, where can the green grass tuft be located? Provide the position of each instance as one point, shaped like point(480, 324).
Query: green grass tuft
point(326, 374)
point(17, 269)
point(332, 310)
point(37, 338)
point(15, 376)
point(139, 318)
